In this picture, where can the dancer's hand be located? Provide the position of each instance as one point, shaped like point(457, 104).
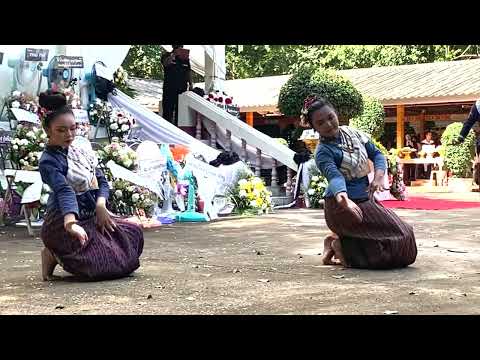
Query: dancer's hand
point(376, 185)
point(459, 140)
point(77, 232)
point(346, 203)
point(104, 220)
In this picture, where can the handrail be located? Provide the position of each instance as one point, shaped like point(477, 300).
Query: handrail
point(190, 101)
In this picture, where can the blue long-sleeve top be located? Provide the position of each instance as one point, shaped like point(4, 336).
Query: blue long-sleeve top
point(53, 168)
point(473, 117)
point(328, 158)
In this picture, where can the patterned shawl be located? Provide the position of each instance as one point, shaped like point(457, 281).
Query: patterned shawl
point(355, 158)
point(82, 165)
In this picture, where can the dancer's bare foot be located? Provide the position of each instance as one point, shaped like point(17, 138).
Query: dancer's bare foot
point(337, 248)
point(48, 265)
point(328, 251)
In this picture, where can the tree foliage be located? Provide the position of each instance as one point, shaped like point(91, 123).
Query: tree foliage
point(372, 119)
point(346, 99)
point(458, 157)
point(143, 61)
point(244, 61)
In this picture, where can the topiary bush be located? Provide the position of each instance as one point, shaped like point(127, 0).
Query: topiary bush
point(372, 119)
point(458, 157)
point(326, 83)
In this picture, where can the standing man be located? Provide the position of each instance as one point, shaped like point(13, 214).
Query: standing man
point(177, 79)
point(473, 117)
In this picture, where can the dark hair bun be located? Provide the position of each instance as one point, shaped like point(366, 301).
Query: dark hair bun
point(52, 100)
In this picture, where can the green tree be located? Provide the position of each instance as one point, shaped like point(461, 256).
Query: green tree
point(265, 60)
point(346, 99)
point(372, 119)
point(458, 157)
point(143, 61)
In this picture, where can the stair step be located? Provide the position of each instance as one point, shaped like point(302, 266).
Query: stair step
point(282, 200)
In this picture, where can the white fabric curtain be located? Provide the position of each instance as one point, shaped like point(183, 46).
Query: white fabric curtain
point(158, 129)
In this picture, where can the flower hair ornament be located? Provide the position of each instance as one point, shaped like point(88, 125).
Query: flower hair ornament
point(43, 113)
point(307, 103)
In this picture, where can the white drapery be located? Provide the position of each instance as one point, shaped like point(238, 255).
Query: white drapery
point(158, 129)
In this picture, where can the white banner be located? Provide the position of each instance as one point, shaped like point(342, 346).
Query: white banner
point(24, 115)
point(125, 174)
point(211, 185)
point(32, 193)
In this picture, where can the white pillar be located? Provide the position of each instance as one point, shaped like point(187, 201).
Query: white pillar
point(209, 73)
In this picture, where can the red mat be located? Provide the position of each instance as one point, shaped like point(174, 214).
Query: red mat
point(423, 203)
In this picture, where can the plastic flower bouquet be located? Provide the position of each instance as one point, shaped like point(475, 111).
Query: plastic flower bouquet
point(250, 195)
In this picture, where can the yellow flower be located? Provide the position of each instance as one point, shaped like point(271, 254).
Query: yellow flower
point(259, 186)
point(259, 202)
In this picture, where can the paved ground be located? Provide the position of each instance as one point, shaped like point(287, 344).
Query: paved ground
point(263, 265)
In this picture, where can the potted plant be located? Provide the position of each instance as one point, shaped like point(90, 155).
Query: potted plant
point(458, 158)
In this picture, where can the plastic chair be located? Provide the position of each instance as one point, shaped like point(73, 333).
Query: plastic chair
point(440, 177)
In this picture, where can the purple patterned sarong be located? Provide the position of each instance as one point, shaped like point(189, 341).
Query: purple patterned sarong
point(108, 256)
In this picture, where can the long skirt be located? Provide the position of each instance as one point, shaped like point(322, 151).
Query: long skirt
point(104, 256)
point(381, 240)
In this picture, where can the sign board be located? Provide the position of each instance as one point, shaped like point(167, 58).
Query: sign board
point(24, 115)
point(6, 137)
point(36, 54)
point(81, 116)
point(64, 61)
point(1, 58)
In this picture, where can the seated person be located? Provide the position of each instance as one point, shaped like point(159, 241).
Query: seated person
point(78, 232)
point(365, 234)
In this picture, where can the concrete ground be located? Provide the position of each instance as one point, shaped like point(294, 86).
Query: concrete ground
point(263, 265)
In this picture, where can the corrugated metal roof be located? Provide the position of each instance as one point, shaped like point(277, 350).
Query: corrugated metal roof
point(441, 80)
point(409, 84)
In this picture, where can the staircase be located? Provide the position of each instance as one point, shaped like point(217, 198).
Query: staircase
point(268, 159)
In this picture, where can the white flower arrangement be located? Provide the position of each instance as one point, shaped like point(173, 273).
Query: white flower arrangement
point(121, 122)
point(27, 146)
point(19, 100)
point(128, 199)
point(316, 188)
point(120, 153)
point(99, 110)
